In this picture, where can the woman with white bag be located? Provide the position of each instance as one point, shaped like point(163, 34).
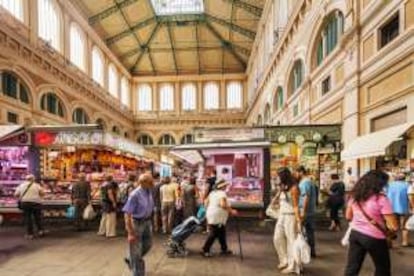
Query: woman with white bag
point(81, 197)
point(288, 224)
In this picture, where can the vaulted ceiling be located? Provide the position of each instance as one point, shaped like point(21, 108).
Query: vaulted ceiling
point(218, 39)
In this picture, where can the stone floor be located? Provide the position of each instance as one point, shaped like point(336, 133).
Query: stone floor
point(64, 252)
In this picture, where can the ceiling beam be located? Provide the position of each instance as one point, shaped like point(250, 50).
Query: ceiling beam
point(111, 10)
point(226, 44)
point(131, 30)
point(172, 47)
point(255, 10)
point(145, 48)
point(184, 49)
point(246, 32)
point(129, 25)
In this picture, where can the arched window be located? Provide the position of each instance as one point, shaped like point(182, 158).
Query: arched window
point(79, 116)
point(77, 46)
point(166, 97)
point(97, 66)
point(267, 114)
point(15, 7)
point(234, 94)
point(52, 104)
point(332, 30)
point(145, 140)
point(116, 130)
point(278, 99)
point(144, 97)
point(259, 120)
point(113, 80)
point(101, 123)
point(166, 140)
point(125, 92)
point(187, 139)
point(211, 96)
point(126, 135)
point(296, 77)
point(13, 87)
point(188, 96)
point(49, 22)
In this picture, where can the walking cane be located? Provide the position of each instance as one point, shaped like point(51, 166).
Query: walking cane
point(239, 238)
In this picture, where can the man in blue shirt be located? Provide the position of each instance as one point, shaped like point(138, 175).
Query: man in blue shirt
point(307, 205)
point(397, 192)
point(138, 213)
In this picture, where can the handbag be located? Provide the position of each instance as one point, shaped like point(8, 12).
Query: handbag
point(410, 223)
point(89, 213)
point(345, 239)
point(301, 250)
point(390, 235)
point(19, 202)
point(273, 209)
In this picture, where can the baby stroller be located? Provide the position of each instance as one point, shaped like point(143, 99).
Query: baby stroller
point(193, 224)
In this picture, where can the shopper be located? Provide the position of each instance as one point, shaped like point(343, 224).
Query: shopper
point(138, 210)
point(188, 197)
point(289, 223)
point(369, 211)
point(397, 193)
point(157, 202)
point(336, 201)
point(218, 209)
point(168, 196)
point(30, 195)
point(307, 205)
point(81, 197)
point(126, 188)
point(109, 192)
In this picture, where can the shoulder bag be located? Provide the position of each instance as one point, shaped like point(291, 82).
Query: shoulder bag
point(390, 235)
point(273, 210)
point(19, 202)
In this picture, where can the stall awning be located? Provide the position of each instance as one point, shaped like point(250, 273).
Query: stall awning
point(202, 146)
point(191, 156)
point(374, 144)
point(5, 131)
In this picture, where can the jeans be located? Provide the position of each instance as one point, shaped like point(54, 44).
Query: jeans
point(142, 245)
point(32, 216)
point(309, 225)
point(216, 232)
point(359, 246)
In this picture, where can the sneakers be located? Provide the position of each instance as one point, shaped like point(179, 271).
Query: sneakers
point(282, 266)
point(288, 271)
point(206, 254)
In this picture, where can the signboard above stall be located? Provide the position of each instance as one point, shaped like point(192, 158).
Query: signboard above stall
point(228, 134)
point(86, 138)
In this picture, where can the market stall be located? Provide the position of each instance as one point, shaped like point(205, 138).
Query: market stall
point(317, 147)
point(237, 155)
point(56, 156)
point(391, 149)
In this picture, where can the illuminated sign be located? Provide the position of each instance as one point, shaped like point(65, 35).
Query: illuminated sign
point(72, 138)
point(228, 134)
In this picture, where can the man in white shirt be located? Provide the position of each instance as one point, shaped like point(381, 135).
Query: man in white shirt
point(30, 196)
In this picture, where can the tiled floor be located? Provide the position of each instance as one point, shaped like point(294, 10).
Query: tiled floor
point(69, 253)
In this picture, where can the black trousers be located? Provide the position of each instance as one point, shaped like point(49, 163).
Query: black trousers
point(32, 216)
point(216, 232)
point(334, 212)
point(359, 246)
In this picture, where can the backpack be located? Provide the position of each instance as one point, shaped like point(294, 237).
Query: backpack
point(123, 192)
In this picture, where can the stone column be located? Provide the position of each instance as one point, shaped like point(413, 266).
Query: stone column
point(222, 95)
point(200, 96)
point(155, 97)
point(32, 20)
point(177, 97)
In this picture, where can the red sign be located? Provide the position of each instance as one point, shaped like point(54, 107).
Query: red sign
point(44, 138)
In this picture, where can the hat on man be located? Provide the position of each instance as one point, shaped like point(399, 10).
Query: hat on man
point(221, 184)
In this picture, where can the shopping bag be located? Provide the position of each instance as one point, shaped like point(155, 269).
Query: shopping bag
point(345, 239)
point(301, 250)
point(410, 223)
point(272, 211)
point(70, 212)
point(89, 213)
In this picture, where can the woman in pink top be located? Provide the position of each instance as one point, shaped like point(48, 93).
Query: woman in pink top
point(365, 236)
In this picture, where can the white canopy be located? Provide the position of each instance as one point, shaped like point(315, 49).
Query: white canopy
point(376, 143)
point(6, 130)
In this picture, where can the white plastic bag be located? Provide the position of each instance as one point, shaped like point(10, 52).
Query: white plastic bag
point(345, 239)
point(301, 250)
point(272, 211)
point(89, 213)
point(410, 223)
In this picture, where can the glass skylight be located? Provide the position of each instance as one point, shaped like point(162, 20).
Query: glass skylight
point(173, 7)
